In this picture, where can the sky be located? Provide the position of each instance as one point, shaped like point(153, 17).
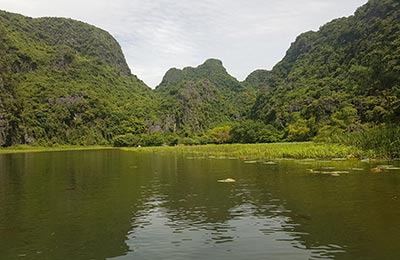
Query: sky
point(156, 35)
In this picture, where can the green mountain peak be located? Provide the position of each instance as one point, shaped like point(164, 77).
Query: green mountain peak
point(64, 81)
point(211, 70)
point(344, 77)
point(67, 82)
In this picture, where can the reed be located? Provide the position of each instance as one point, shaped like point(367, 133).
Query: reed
point(262, 151)
point(381, 141)
point(301, 150)
point(32, 149)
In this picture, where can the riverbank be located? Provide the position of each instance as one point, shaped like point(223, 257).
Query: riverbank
point(35, 149)
point(305, 150)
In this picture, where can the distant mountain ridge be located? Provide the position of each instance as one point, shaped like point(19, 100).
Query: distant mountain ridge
point(211, 69)
point(203, 97)
point(67, 82)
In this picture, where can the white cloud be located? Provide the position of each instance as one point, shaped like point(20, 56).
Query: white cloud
point(159, 34)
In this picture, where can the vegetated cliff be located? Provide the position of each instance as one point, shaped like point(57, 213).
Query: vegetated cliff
point(67, 82)
point(260, 79)
point(343, 77)
point(197, 99)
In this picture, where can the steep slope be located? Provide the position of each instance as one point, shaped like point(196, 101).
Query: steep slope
point(64, 81)
point(197, 99)
point(260, 79)
point(343, 76)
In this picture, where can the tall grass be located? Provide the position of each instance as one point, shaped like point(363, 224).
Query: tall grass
point(243, 151)
point(32, 149)
point(383, 141)
point(262, 151)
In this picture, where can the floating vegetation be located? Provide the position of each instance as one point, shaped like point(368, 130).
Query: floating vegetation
point(376, 170)
point(332, 173)
point(270, 163)
point(381, 168)
point(339, 159)
point(328, 168)
point(194, 158)
point(384, 167)
point(228, 180)
point(393, 168)
point(250, 162)
point(313, 171)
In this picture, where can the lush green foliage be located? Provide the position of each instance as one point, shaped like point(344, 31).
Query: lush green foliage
point(197, 99)
point(248, 132)
point(382, 140)
point(260, 79)
point(66, 82)
point(346, 76)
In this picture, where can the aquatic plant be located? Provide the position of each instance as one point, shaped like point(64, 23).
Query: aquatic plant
point(262, 151)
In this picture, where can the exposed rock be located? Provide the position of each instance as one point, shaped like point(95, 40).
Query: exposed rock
point(67, 100)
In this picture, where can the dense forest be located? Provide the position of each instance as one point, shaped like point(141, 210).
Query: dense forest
point(346, 76)
point(67, 82)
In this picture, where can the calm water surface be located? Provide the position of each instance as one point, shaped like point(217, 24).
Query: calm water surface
point(125, 205)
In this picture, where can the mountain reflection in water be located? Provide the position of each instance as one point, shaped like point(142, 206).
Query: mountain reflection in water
point(125, 205)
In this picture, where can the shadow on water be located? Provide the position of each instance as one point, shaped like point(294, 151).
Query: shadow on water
point(66, 205)
point(127, 205)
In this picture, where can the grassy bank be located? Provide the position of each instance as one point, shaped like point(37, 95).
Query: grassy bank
point(263, 151)
point(32, 149)
point(383, 140)
point(244, 151)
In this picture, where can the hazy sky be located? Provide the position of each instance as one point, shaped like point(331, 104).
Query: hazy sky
point(156, 35)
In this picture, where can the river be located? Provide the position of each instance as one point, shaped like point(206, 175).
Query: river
point(112, 204)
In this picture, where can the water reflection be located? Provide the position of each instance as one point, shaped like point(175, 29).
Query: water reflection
point(64, 206)
point(188, 214)
point(127, 205)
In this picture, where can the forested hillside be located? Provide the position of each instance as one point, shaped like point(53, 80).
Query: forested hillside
point(197, 99)
point(65, 82)
point(345, 77)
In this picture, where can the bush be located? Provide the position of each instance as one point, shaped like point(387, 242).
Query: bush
point(220, 135)
point(254, 132)
point(127, 140)
point(155, 139)
point(190, 141)
point(299, 131)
